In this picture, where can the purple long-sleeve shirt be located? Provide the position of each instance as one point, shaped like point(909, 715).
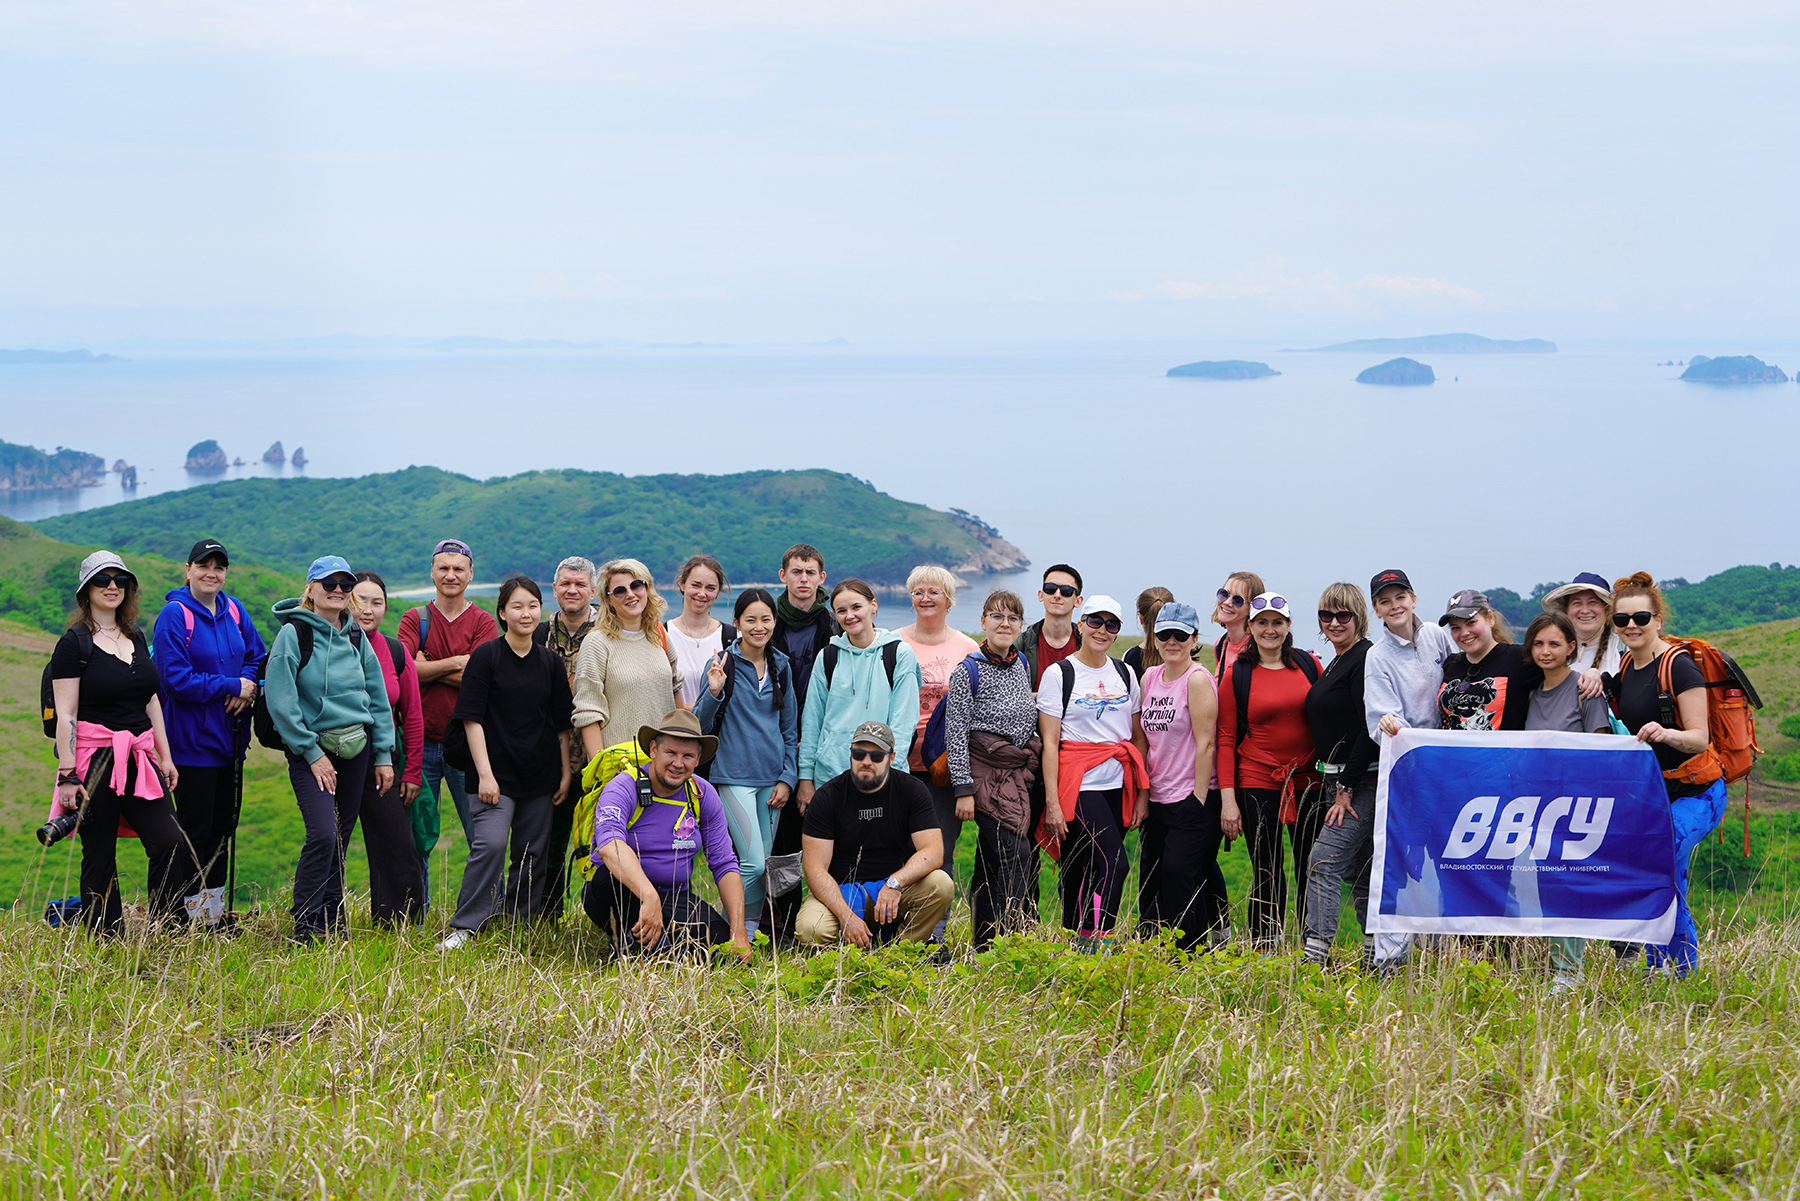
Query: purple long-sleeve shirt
point(666, 838)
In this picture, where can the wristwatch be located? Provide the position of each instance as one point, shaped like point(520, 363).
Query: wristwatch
point(892, 883)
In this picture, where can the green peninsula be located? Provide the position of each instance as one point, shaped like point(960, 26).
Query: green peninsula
point(1224, 369)
point(529, 522)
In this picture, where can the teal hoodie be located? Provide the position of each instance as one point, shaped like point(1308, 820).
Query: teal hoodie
point(858, 692)
point(341, 686)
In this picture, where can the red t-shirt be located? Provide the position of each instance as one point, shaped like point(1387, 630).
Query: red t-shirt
point(1048, 655)
point(445, 639)
point(1279, 733)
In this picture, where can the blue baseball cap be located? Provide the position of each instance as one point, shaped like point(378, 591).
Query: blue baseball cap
point(1177, 616)
point(326, 566)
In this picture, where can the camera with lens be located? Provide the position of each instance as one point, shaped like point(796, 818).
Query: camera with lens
point(59, 827)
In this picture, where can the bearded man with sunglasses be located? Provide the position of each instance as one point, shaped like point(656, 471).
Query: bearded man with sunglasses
point(872, 852)
point(1054, 638)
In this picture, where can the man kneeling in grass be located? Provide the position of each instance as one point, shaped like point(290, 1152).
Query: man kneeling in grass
point(872, 851)
point(648, 828)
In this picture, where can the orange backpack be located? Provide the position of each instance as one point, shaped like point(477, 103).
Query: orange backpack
point(1730, 718)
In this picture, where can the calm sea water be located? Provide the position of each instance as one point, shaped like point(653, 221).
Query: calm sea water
point(1510, 470)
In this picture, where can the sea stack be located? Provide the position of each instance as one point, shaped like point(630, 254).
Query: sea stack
point(207, 458)
point(1403, 373)
point(275, 456)
point(299, 459)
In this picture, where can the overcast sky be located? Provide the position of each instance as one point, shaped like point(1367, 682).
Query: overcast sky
point(746, 171)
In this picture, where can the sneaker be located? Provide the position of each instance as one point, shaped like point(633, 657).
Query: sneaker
point(1562, 986)
point(457, 940)
point(1318, 952)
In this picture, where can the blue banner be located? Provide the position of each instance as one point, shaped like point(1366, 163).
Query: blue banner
point(1522, 834)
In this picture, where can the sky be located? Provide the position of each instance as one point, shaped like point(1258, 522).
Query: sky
point(748, 171)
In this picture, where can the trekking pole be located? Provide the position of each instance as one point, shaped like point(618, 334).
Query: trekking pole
point(237, 810)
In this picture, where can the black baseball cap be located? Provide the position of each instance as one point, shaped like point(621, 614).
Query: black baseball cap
point(208, 548)
point(1387, 579)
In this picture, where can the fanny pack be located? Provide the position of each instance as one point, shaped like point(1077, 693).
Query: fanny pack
point(346, 742)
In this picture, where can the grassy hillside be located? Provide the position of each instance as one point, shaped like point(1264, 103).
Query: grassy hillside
point(37, 579)
point(529, 522)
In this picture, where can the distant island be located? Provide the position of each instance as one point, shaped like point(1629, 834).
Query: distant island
point(206, 458)
point(275, 456)
point(1438, 344)
point(1224, 369)
point(28, 469)
point(56, 356)
point(388, 522)
point(1733, 369)
point(1398, 372)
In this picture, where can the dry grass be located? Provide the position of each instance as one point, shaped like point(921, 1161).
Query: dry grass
point(382, 1068)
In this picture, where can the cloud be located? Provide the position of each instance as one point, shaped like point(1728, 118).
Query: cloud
point(1411, 287)
point(1267, 280)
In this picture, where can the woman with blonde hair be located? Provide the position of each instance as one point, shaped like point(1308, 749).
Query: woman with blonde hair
point(1147, 654)
point(939, 650)
point(625, 673)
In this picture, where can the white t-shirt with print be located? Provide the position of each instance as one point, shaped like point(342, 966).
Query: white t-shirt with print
point(1100, 710)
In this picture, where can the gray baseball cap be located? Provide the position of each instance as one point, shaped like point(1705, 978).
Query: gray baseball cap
point(875, 732)
point(1464, 605)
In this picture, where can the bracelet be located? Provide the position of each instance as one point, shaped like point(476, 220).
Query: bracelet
point(68, 777)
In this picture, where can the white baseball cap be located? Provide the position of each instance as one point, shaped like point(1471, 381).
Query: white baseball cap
point(1270, 602)
point(1103, 604)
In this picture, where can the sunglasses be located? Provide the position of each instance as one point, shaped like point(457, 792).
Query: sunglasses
point(1111, 625)
point(1230, 598)
point(1172, 635)
point(1642, 617)
point(1062, 590)
point(624, 590)
point(1269, 602)
point(338, 583)
point(110, 581)
point(858, 755)
point(1336, 617)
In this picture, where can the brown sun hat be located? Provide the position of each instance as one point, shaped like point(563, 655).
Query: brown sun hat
point(679, 723)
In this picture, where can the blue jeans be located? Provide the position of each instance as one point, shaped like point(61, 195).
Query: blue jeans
point(434, 771)
point(1695, 817)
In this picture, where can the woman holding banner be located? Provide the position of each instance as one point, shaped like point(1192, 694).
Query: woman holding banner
point(1677, 730)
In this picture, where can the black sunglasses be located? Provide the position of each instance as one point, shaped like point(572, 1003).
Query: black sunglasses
point(338, 583)
point(1642, 617)
point(1231, 598)
point(1111, 625)
point(111, 581)
point(857, 755)
point(1172, 635)
point(624, 590)
point(1336, 617)
point(1063, 590)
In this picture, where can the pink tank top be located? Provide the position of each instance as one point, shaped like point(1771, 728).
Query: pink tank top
point(1170, 729)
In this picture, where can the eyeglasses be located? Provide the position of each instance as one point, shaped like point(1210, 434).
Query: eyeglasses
point(1062, 590)
point(858, 755)
point(624, 590)
point(1002, 619)
point(338, 583)
point(1096, 621)
point(1336, 617)
point(1172, 635)
point(1230, 598)
point(1642, 617)
point(111, 581)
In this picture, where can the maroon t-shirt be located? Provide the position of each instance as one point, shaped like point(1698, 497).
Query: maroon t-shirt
point(1048, 655)
point(444, 639)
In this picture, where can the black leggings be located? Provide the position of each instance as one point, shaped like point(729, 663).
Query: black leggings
point(1261, 810)
point(1093, 861)
point(206, 806)
point(1180, 884)
point(172, 865)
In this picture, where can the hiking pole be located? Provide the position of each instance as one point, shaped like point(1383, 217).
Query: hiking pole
point(237, 810)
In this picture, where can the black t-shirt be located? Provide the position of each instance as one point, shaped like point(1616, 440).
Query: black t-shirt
point(113, 694)
point(871, 832)
point(522, 704)
point(1637, 707)
point(1494, 694)
point(1334, 711)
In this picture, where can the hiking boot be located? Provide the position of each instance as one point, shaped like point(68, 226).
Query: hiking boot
point(457, 940)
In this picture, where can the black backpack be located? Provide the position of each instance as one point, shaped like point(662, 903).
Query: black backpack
point(782, 686)
point(890, 658)
point(1241, 667)
point(261, 722)
point(84, 646)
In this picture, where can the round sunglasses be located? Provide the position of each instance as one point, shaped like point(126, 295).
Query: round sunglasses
point(1111, 625)
point(625, 590)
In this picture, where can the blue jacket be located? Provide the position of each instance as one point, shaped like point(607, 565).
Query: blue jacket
point(759, 746)
point(200, 672)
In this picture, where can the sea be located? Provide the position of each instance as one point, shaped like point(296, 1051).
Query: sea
point(1508, 471)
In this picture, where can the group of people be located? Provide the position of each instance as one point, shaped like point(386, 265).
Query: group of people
point(823, 765)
